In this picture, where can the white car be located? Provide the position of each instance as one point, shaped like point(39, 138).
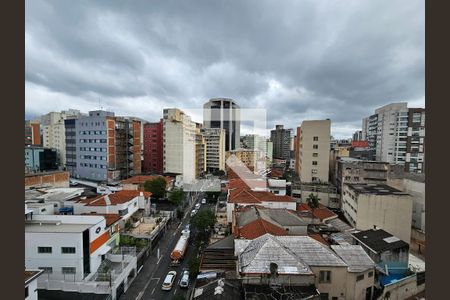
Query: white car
point(204, 201)
point(197, 206)
point(184, 281)
point(193, 213)
point(168, 281)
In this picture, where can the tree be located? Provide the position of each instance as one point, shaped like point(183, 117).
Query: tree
point(313, 202)
point(194, 266)
point(203, 221)
point(156, 186)
point(176, 196)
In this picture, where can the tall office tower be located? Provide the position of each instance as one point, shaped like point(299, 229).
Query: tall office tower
point(215, 148)
point(107, 148)
point(53, 132)
point(32, 133)
point(396, 134)
point(281, 139)
point(415, 142)
point(224, 113)
point(153, 147)
point(314, 148)
point(179, 140)
point(365, 129)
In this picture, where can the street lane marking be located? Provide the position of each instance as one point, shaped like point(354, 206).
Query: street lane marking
point(153, 290)
point(159, 260)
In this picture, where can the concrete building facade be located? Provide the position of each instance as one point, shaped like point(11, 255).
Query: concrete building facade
point(38, 159)
point(32, 133)
point(179, 144)
point(224, 113)
point(415, 142)
point(369, 205)
point(314, 151)
point(53, 132)
point(215, 148)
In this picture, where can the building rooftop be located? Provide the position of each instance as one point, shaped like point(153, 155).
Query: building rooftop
point(224, 289)
point(110, 218)
point(379, 240)
point(258, 228)
point(54, 227)
point(292, 254)
point(321, 212)
point(141, 179)
point(249, 196)
point(116, 198)
point(375, 189)
point(32, 274)
point(355, 257)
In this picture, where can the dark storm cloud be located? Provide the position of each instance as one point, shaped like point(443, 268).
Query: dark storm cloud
point(298, 59)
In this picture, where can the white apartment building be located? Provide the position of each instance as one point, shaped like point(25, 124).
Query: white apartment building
point(215, 148)
point(53, 132)
point(314, 146)
point(179, 144)
point(368, 205)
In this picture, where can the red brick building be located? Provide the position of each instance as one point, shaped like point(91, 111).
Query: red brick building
point(153, 148)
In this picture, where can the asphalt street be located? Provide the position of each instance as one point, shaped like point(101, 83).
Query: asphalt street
point(147, 285)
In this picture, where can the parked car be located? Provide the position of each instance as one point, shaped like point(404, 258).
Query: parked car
point(184, 281)
point(203, 201)
point(193, 212)
point(169, 280)
point(187, 227)
point(197, 206)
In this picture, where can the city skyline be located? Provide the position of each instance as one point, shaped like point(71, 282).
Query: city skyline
point(137, 60)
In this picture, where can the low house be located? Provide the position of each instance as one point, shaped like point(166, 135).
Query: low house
point(387, 251)
point(124, 203)
point(360, 267)
point(31, 290)
point(322, 213)
point(219, 257)
point(244, 197)
point(250, 222)
point(277, 186)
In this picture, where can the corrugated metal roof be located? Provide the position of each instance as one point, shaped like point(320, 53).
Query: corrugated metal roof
point(355, 257)
point(299, 252)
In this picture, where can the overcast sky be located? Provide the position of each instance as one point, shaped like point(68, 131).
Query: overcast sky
point(299, 60)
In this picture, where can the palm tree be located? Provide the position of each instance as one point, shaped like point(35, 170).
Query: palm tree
point(313, 202)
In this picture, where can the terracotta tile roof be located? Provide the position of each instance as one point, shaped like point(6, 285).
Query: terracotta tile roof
point(321, 212)
point(110, 218)
point(249, 196)
point(119, 197)
point(29, 274)
point(141, 179)
point(258, 228)
point(318, 238)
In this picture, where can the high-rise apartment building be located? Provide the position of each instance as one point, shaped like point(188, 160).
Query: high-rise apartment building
point(215, 148)
point(179, 144)
point(415, 142)
point(389, 130)
point(102, 147)
point(224, 113)
point(357, 136)
point(314, 151)
point(153, 147)
point(32, 133)
point(53, 132)
point(281, 139)
point(200, 151)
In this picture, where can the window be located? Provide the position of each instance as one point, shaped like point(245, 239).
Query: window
point(44, 249)
point(69, 270)
point(323, 296)
point(315, 146)
point(314, 163)
point(67, 250)
point(371, 274)
point(325, 277)
point(48, 270)
point(316, 138)
point(315, 154)
point(360, 277)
